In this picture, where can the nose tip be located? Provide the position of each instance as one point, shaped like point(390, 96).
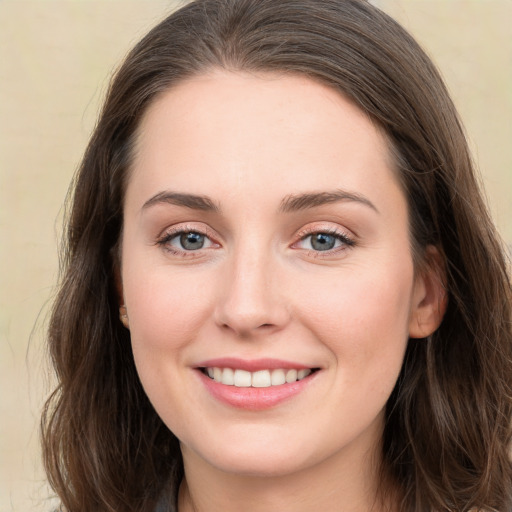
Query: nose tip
point(248, 312)
point(251, 301)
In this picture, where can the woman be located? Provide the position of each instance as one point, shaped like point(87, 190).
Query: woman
point(282, 287)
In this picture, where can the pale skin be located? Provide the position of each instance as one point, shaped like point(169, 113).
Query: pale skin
point(326, 280)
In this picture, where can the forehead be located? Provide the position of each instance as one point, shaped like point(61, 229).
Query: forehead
point(232, 132)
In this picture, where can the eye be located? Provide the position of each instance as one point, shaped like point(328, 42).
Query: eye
point(185, 241)
point(324, 241)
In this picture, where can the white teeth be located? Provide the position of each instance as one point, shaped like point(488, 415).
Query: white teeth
point(242, 379)
point(303, 373)
point(228, 376)
point(259, 379)
point(291, 375)
point(278, 377)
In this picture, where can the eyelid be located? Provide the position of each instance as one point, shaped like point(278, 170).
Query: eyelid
point(183, 228)
point(330, 229)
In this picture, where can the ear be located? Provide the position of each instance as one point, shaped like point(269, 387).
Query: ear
point(430, 298)
point(123, 312)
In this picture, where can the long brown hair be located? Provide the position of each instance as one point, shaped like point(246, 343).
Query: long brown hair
point(448, 429)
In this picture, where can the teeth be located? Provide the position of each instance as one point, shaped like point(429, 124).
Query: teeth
point(278, 377)
point(228, 377)
point(303, 373)
point(242, 379)
point(259, 379)
point(291, 375)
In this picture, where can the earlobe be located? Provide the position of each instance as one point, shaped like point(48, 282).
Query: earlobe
point(123, 316)
point(430, 298)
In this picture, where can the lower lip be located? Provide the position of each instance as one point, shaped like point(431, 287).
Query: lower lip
point(255, 399)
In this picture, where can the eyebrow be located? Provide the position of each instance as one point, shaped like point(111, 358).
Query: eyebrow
point(296, 202)
point(291, 203)
point(192, 201)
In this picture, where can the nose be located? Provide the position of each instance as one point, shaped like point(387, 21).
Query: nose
point(252, 296)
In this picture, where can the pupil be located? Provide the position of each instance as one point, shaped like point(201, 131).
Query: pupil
point(322, 242)
point(191, 241)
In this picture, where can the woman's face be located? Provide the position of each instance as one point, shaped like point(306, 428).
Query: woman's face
point(266, 245)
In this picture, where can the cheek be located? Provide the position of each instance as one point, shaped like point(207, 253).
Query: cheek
point(166, 309)
point(359, 300)
point(166, 312)
point(362, 317)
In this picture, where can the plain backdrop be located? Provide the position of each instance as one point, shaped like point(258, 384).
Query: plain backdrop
point(55, 61)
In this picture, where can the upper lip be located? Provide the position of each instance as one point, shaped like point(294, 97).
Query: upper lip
point(251, 365)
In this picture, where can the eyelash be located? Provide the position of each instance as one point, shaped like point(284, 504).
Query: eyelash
point(346, 241)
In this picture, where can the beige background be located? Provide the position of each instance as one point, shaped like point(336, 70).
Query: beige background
point(55, 60)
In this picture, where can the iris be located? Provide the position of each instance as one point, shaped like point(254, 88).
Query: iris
point(322, 241)
point(191, 241)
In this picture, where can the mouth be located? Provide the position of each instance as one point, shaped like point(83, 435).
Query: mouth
point(255, 384)
point(265, 378)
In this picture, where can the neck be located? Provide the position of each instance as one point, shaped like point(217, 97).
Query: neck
point(350, 484)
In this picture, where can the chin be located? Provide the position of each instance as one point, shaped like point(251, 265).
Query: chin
point(251, 458)
point(261, 465)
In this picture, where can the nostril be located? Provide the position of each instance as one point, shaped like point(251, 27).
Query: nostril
point(227, 326)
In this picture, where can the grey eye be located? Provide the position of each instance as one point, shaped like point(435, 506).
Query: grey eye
point(322, 241)
point(192, 241)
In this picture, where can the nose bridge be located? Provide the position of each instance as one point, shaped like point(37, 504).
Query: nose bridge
point(251, 299)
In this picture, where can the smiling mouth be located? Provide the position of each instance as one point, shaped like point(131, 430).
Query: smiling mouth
point(258, 379)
